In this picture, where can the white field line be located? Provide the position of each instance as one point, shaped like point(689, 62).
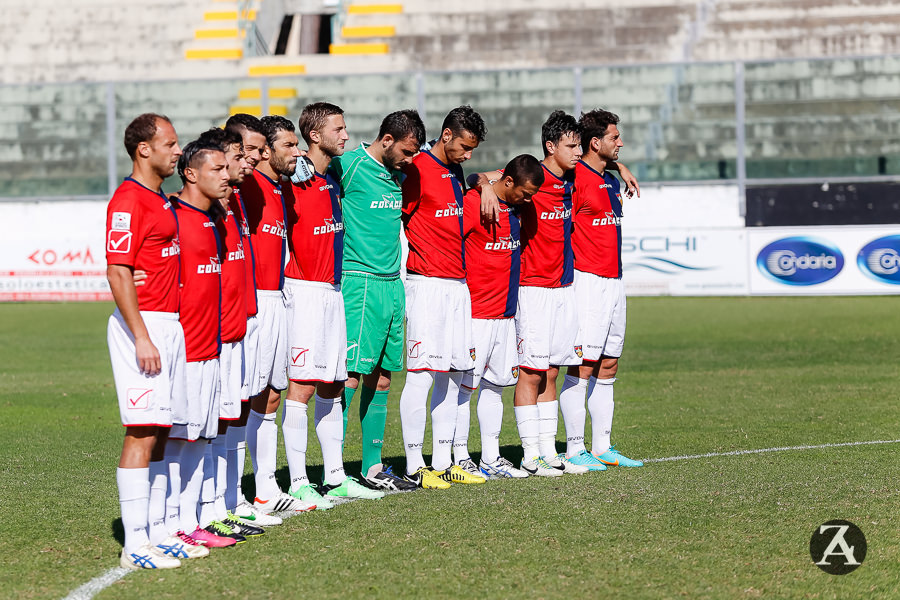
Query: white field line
point(765, 450)
point(98, 584)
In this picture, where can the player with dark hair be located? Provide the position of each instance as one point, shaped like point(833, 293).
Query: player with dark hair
point(438, 307)
point(492, 274)
point(373, 292)
point(146, 341)
point(203, 171)
point(600, 295)
point(265, 197)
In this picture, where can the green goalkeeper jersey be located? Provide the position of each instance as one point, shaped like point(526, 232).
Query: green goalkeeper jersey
point(371, 207)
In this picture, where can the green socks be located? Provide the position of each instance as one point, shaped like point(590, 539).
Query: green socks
point(373, 417)
point(348, 400)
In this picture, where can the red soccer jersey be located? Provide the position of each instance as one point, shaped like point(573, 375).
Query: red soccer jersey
point(267, 219)
point(547, 259)
point(201, 268)
point(316, 231)
point(142, 233)
point(597, 222)
point(433, 218)
point(234, 279)
point(236, 205)
point(492, 268)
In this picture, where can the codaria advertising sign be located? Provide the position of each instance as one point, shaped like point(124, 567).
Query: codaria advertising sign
point(685, 262)
point(825, 260)
point(53, 251)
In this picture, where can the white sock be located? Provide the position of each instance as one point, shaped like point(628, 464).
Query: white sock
point(219, 451)
point(463, 422)
point(236, 442)
point(444, 402)
point(329, 419)
point(208, 488)
point(413, 415)
point(294, 424)
point(548, 415)
point(571, 403)
point(159, 483)
point(528, 423)
point(134, 499)
point(490, 419)
point(262, 441)
point(191, 460)
point(600, 403)
point(173, 496)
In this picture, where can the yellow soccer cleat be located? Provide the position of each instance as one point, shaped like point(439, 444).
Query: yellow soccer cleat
point(429, 479)
point(457, 474)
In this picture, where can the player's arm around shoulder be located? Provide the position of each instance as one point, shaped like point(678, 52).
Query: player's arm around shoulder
point(490, 204)
point(121, 282)
point(631, 183)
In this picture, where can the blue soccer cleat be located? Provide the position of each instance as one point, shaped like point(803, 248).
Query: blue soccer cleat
point(612, 458)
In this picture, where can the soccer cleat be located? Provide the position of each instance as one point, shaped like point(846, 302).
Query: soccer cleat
point(612, 458)
point(584, 459)
point(501, 469)
point(429, 479)
point(564, 465)
point(351, 488)
point(148, 557)
point(211, 540)
point(307, 493)
point(181, 545)
point(468, 465)
point(245, 529)
point(248, 513)
point(222, 530)
point(456, 474)
point(283, 503)
point(538, 466)
point(382, 478)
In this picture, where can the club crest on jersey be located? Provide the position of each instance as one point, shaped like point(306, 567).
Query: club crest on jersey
point(608, 219)
point(298, 356)
point(387, 201)
point(579, 352)
point(515, 372)
point(121, 221)
point(452, 211)
point(413, 348)
point(276, 229)
point(503, 243)
point(472, 353)
point(329, 227)
point(213, 267)
point(558, 213)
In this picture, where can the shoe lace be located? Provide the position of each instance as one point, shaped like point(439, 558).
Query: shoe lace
point(187, 539)
point(221, 527)
point(502, 462)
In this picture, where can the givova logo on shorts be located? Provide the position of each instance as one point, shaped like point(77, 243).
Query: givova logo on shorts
point(800, 260)
point(880, 259)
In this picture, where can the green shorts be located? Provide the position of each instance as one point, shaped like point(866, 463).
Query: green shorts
point(375, 306)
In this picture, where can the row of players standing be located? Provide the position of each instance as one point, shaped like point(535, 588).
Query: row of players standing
point(295, 336)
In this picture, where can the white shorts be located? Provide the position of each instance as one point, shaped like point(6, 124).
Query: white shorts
point(317, 331)
point(272, 351)
point(547, 328)
point(438, 324)
point(203, 390)
point(496, 359)
point(231, 373)
point(145, 400)
point(601, 315)
point(251, 348)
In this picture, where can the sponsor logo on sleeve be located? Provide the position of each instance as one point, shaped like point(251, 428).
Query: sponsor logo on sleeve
point(121, 221)
point(800, 260)
point(880, 259)
point(118, 242)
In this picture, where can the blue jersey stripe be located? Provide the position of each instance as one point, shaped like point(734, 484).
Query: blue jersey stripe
point(515, 266)
point(568, 273)
point(335, 193)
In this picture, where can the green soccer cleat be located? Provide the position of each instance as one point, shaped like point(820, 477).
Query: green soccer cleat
point(351, 488)
point(308, 494)
point(612, 458)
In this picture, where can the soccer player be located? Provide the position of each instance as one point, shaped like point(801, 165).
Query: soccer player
point(600, 295)
point(146, 341)
point(438, 307)
point(253, 141)
point(263, 194)
point(203, 171)
point(317, 335)
point(492, 275)
point(373, 293)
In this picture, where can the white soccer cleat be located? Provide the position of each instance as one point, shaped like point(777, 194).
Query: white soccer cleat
point(565, 465)
point(501, 469)
point(249, 513)
point(181, 545)
point(148, 557)
point(283, 503)
point(539, 468)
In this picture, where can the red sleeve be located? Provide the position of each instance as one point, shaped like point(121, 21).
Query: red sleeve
point(471, 212)
point(412, 190)
point(123, 230)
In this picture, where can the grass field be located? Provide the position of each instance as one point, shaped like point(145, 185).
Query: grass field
point(698, 376)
